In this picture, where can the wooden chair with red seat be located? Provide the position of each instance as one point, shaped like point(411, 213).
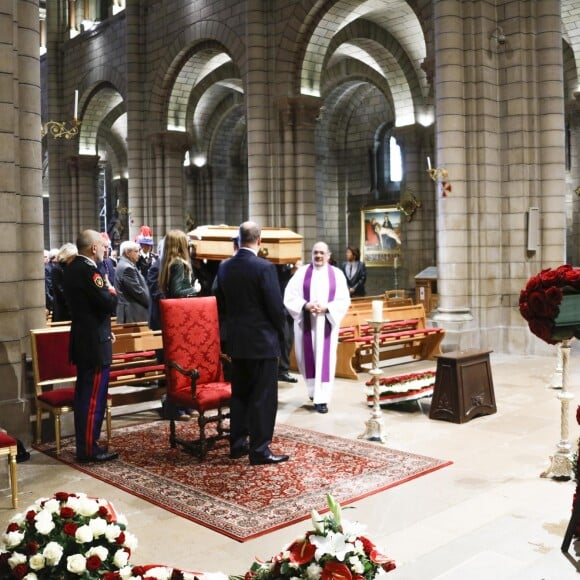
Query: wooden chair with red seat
point(194, 373)
point(52, 369)
point(9, 448)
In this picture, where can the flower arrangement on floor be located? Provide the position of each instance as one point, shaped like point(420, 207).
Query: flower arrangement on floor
point(71, 536)
point(66, 536)
point(334, 550)
point(401, 388)
point(541, 299)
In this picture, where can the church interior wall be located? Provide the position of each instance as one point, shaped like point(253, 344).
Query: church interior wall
point(148, 92)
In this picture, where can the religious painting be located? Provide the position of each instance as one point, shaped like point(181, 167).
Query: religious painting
point(381, 236)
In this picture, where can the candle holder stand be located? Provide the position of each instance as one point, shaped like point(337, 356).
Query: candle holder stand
point(374, 426)
point(561, 464)
point(556, 382)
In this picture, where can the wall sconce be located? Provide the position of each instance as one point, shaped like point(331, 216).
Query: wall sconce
point(57, 129)
point(440, 175)
point(66, 129)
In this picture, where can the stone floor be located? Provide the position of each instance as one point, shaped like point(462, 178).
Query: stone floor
point(489, 515)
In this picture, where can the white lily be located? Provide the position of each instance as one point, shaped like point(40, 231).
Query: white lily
point(333, 544)
point(317, 521)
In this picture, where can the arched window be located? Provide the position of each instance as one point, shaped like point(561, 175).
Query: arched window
point(387, 163)
point(396, 163)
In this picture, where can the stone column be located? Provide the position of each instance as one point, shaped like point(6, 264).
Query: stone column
point(58, 150)
point(286, 164)
point(298, 117)
point(168, 151)
point(21, 231)
point(137, 146)
point(83, 206)
point(258, 114)
point(550, 153)
point(573, 122)
point(453, 222)
point(508, 158)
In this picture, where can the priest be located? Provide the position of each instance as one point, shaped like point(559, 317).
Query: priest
point(317, 298)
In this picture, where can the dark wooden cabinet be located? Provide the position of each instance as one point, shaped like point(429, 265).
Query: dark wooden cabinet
point(463, 386)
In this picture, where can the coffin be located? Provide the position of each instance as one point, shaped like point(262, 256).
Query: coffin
point(567, 323)
point(279, 245)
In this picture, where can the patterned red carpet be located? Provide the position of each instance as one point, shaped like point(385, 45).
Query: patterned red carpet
point(244, 501)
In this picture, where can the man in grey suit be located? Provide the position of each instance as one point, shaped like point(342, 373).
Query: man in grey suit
point(254, 316)
point(132, 290)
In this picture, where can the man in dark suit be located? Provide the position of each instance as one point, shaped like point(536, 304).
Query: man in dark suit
point(132, 290)
point(91, 301)
point(249, 289)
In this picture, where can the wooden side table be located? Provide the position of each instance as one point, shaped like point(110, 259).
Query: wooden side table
point(463, 386)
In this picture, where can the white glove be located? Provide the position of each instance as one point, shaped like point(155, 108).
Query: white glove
point(197, 287)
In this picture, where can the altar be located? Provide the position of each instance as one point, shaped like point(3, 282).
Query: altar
point(279, 245)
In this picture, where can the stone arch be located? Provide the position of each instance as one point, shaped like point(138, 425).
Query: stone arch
point(571, 32)
point(355, 71)
point(98, 103)
point(222, 80)
point(396, 16)
point(378, 49)
point(201, 35)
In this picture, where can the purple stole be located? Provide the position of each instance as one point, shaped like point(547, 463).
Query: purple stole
point(309, 359)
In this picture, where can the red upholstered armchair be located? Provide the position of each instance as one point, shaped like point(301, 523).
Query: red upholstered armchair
point(194, 374)
point(9, 448)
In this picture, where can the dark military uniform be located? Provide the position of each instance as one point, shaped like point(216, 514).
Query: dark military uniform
point(91, 305)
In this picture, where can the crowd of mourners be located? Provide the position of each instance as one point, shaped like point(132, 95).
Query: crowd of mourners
point(137, 272)
point(141, 276)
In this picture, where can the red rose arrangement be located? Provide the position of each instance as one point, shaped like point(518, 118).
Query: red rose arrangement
point(69, 535)
point(72, 536)
point(541, 298)
point(334, 550)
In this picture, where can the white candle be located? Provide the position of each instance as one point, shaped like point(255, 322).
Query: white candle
point(377, 310)
point(76, 105)
point(396, 261)
point(428, 162)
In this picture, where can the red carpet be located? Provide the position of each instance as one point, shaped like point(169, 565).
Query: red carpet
point(243, 501)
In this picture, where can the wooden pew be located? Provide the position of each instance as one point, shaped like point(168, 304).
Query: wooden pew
point(404, 333)
point(135, 374)
point(135, 364)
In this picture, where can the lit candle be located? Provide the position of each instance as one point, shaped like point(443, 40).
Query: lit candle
point(429, 162)
point(76, 105)
point(377, 310)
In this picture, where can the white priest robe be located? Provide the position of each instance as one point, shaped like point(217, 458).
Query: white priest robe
point(320, 385)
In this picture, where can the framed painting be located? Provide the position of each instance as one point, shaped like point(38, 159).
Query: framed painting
point(381, 236)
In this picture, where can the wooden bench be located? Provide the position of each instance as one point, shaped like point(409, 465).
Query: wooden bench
point(135, 364)
point(404, 333)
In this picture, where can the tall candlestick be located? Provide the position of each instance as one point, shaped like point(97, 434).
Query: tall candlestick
point(76, 116)
point(377, 310)
point(428, 162)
